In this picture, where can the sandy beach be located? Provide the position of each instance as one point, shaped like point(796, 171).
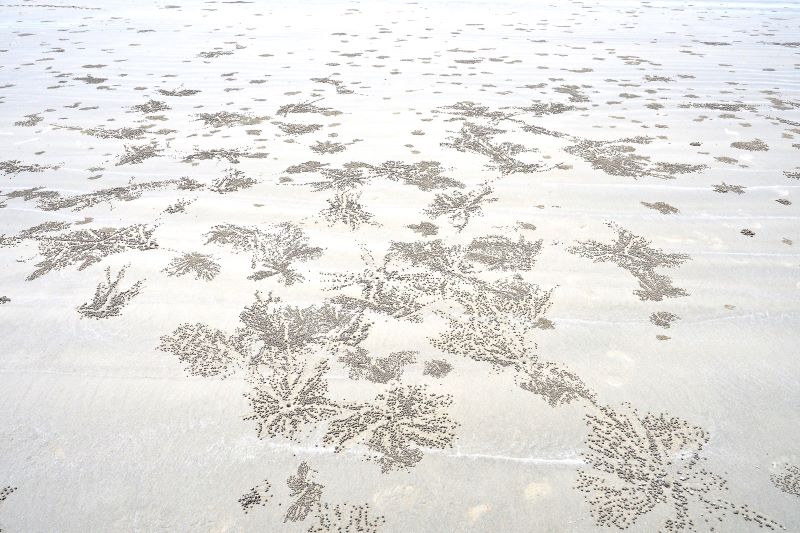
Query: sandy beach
point(434, 266)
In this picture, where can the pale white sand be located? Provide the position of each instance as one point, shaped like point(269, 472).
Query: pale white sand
point(557, 121)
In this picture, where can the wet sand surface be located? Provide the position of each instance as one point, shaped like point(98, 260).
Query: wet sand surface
point(399, 266)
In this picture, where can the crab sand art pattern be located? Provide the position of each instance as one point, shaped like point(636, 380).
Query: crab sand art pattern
point(399, 266)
